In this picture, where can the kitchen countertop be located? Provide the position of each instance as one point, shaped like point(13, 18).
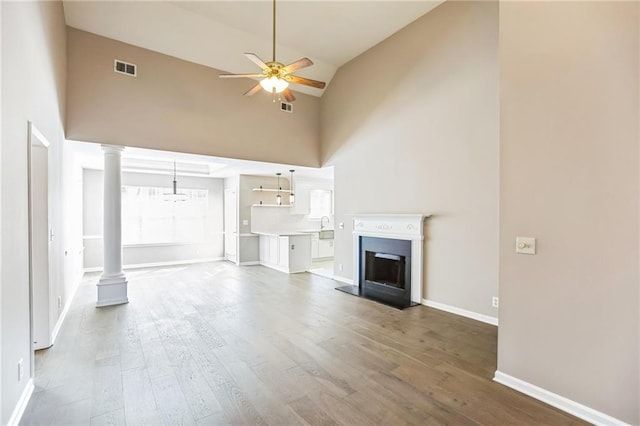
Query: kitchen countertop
point(283, 234)
point(289, 233)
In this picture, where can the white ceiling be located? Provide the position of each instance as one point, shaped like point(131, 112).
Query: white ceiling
point(217, 33)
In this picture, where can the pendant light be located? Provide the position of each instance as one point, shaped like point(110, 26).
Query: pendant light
point(292, 197)
point(175, 196)
point(279, 197)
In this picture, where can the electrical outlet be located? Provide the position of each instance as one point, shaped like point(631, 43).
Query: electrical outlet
point(340, 267)
point(59, 302)
point(495, 301)
point(20, 369)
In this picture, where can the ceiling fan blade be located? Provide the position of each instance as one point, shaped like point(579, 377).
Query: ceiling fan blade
point(255, 89)
point(254, 58)
point(305, 81)
point(288, 96)
point(240, 75)
point(294, 66)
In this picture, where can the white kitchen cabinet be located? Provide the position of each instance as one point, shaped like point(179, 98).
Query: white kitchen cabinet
point(325, 248)
point(314, 246)
point(283, 252)
point(286, 253)
point(302, 193)
point(321, 248)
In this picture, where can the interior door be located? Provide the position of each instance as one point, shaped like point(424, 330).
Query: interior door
point(230, 226)
point(40, 237)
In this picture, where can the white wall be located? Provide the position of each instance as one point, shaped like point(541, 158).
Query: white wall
point(423, 137)
point(33, 87)
point(249, 247)
point(72, 223)
point(1, 142)
point(212, 248)
point(569, 176)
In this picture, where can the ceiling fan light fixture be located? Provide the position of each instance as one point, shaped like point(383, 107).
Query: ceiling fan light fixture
point(274, 83)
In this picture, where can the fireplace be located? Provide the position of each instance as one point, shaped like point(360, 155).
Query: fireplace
point(387, 259)
point(385, 270)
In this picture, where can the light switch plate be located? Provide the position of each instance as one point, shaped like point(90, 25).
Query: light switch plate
point(341, 225)
point(525, 245)
point(245, 222)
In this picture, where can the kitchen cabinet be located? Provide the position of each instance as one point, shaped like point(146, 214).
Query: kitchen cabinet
point(302, 192)
point(286, 253)
point(325, 248)
point(321, 248)
point(315, 253)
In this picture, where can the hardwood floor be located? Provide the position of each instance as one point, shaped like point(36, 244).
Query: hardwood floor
point(217, 344)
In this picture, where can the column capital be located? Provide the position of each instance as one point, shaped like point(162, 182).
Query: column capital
point(112, 149)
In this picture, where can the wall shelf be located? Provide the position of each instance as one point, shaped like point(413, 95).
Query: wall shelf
point(286, 191)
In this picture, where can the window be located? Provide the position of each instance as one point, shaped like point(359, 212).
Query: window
point(320, 203)
point(148, 219)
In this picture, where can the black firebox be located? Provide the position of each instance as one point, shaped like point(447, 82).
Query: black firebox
point(385, 270)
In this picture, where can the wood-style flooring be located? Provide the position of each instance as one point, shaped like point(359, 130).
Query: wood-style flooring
point(217, 344)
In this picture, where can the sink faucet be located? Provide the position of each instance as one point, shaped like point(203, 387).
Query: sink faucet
point(322, 221)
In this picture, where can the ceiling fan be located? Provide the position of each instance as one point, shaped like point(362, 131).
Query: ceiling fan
point(275, 75)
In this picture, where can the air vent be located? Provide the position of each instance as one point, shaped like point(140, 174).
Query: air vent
point(286, 107)
point(124, 68)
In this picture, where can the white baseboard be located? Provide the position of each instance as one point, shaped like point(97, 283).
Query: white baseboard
point(63, 315)
point(462, 312)
point(157, 264)
point(252, 263)
point(560, 402)
point(276, 267)
point(343, 280)
point(16, 416)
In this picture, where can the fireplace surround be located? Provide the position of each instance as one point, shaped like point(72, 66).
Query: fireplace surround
point(387, 258)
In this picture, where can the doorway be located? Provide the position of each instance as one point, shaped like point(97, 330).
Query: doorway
point(40, 239)
point(230, 226)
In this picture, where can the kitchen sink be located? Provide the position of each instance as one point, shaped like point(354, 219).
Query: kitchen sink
point(326, 235)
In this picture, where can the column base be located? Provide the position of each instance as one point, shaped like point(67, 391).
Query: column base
point(112, 290)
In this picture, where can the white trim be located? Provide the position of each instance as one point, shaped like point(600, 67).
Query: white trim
point(252, 263)
point(156, 264)
point(176, 243)
point(462, 312)
point(343, 280)
point(276, 267)
point(63, 315)
point(248, 235)
point(18, 411)
point(557, 401)
point(33, 131)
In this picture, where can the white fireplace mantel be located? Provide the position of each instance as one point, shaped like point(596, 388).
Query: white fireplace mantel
point(396, 226)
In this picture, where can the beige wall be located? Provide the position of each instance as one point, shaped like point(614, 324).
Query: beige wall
point(412, 127)
point(179, 106)
point(33, 86)
point(569, 177)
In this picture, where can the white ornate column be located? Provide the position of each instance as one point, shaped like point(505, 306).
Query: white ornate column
point(112, 287)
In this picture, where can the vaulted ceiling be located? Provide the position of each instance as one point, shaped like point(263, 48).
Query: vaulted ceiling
point(217, 33)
